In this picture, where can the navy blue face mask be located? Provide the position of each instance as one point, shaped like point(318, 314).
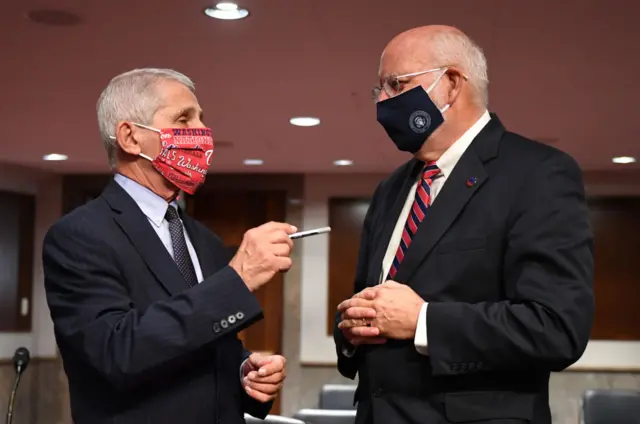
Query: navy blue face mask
point(410, 118)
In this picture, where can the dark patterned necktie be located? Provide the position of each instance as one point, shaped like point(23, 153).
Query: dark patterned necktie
point(180, 251)
point(416, 215)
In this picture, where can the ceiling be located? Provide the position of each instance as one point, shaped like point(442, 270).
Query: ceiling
point(560, 70)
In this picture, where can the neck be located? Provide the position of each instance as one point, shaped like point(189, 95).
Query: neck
point(449, 132)
point(155, 182)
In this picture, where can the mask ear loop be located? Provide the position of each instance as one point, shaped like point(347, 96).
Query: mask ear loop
point(147, 128)
point(431, 87)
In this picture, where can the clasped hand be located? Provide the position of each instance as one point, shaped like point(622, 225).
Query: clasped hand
point(386, 311)
point(264, 251)
point(263, 376)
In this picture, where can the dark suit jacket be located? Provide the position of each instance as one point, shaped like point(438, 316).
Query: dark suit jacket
point(506, 265)
point(138, 346)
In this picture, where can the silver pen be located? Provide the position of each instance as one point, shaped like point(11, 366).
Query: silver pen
point(301, 234)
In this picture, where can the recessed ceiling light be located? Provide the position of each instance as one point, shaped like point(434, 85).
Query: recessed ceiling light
point(55, 156)
point(624, 159)
point(226, 5)
point(253, 162)
point(343, 162)
point(304, 121)
point(226, 11)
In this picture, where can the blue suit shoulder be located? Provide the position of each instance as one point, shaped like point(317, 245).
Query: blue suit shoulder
point(90, 218)
point(514, 147)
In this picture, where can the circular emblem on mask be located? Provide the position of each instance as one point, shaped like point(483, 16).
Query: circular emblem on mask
point(419, 121)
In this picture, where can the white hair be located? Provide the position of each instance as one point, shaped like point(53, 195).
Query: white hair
point(456, 48)
point(132, 97)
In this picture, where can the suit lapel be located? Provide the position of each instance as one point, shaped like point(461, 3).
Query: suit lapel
point(390, 218)
point(137, 228)
point(467, 177)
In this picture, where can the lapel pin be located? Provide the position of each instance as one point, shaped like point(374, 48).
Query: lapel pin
point(472, 181)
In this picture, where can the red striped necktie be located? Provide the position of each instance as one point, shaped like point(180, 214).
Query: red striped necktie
point(416, 215)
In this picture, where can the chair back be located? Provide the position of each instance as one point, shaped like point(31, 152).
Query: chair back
point(271, 419)
point(326, 416)
point(610, 407)
point(337, 396)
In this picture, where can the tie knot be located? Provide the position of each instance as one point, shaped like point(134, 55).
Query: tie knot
point(171, 214)
point(430, 170)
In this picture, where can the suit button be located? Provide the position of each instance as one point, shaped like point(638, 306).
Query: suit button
point(239, 315)
point(378, 392)
point(231, 319)
point(216, 327)
point(224, 323)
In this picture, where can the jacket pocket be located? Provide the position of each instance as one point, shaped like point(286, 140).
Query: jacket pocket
point(467, 407)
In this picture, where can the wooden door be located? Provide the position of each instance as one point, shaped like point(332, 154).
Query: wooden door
point(229, 214)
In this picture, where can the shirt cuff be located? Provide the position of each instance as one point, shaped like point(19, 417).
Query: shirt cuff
point(349, 351)
point(420, 339)
point(242, 370)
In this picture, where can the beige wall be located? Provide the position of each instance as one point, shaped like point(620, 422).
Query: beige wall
point(43, 397)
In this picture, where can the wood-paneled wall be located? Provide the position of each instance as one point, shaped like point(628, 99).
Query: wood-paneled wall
point(17, 217)
point(616, 227)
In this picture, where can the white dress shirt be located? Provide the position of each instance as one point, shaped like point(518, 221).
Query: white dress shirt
point(446, 163)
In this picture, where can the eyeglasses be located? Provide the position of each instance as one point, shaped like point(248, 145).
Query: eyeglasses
point(393, 84)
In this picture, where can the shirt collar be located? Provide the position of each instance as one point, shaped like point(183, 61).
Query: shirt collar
point(452, 155)
point(153, 206)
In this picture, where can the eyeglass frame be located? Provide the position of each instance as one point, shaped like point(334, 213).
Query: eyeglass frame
point(375, 91)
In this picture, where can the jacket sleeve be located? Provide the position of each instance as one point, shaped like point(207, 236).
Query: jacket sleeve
point(95, 318)
point(349, 356)
point(548, 272)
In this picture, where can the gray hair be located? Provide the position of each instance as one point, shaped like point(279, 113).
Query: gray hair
point(456, 48)
point(131, 97)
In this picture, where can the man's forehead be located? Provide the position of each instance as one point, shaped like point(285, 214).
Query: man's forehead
point(402, 59)
point(389, 68)
point(178, 97)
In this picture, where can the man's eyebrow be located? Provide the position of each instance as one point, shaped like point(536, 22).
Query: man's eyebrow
point(189, 111)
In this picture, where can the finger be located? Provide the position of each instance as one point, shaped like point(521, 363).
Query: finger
point(357, 341)
point(368, 294)
point(281, 249)
point(352, 323)
point(270, 379)
point(354, 302)
point(255, 360)
point(282, 263)
point(391, 283)
point(277, 237)
point(275, 359)
point(359, 312)
point(278, 226)
point(272, 367)
point(265, 388)
point(365, 331)
point(259, 396)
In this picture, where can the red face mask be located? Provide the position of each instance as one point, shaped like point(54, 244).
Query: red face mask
point(185, 156)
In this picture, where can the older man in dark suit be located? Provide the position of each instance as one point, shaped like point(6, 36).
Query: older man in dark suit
point(475, 270)
point(146, 302)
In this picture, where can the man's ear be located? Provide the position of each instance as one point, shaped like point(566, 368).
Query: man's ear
point(126, 140)
point(456, 81)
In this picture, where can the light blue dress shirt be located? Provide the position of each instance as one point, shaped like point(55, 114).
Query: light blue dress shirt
point(154, 208)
